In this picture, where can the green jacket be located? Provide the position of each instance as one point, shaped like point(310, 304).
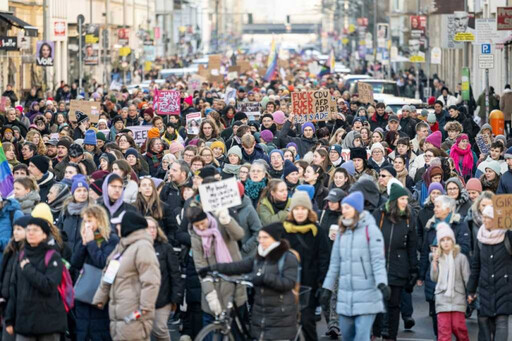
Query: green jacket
point(267, 214)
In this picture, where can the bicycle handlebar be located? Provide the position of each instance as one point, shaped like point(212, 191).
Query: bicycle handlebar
point(215, 275)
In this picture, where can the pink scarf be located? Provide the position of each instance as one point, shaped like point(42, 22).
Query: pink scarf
point(212, 234)
point(490, 237)
point(467, 162)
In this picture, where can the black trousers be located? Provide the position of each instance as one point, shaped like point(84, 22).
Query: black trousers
point(308, 320)
point(433, 314)
point(391, 319)
point(493, 328)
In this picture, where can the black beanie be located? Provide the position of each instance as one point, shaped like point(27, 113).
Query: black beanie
point(390, 170)
point(131, 222)
point(42, 223)
point(275, 230)
point(23, 221)
point(97, 186)
point(112, 177)
point(41, 162)
point(240, 116)
point(207, 171)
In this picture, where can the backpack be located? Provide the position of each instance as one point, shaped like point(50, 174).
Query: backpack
point(65, 288)
point(280, 267)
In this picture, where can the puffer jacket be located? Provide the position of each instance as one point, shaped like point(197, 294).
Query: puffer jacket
point(358, 266)
point(268, 215)
point(171, 288)
point(400, 247)
point(462, 238)
point(70, 224)
point(274, 314)
point(232, 233)
point(247, 217)
point(35, 307)
point(491, 269)
point(11, 209)
point(328, 218)
point(92, 322)
point(505, 185)
point(424, 215)
point(135, 287)
point(456, 302)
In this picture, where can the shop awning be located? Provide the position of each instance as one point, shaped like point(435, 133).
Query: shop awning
point(30, 31)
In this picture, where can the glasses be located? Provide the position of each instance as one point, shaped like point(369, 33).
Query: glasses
point(383, 176)
point(188, 155)
point(454, 189)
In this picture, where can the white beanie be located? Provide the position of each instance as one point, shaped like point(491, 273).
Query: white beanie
point(377, 145)
point(444, 230)
point(488, 211)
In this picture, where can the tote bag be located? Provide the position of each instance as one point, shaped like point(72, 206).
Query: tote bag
point(87, 283)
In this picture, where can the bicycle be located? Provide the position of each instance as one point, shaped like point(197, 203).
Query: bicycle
point(221, 328)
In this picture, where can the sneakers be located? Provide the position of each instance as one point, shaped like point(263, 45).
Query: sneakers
point(409, 322)
point(333, 332)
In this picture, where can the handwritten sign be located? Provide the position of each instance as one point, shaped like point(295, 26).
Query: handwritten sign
point(251, 109)
point(140, 133)
point(168, 102)
point(195, 82)
point(482, 144)
point(219, 194)
point(193, 123)
point(91, 109)
point(365, 92)
point(312, 105)
point(502, 204)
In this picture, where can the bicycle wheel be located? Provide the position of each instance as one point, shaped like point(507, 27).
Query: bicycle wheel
point(214, 332)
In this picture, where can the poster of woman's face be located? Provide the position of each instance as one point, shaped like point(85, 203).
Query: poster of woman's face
point(45, 53)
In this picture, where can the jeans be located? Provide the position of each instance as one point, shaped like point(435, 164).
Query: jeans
point(160, 330)
point(406, 304)
point(493, 328)
point(356, 328)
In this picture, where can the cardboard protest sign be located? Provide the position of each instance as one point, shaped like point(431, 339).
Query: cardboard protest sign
point(140, 133)
point(365, 92)
point(251, 109)
point(195, 82)
point(233, 72)
point(312, 106)
point(220, 194)
point(167, 102)
point(245, 66)
point(214, 61)
point(193, 123)
point(502, 204)
point(202, 71)
point(91, 109)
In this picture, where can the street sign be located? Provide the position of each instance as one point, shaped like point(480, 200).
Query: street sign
point(486, 49)
point(486, 61)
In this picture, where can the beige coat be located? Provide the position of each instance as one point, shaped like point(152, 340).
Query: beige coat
point(231, 233)
point(506, 104)
point(135, 287)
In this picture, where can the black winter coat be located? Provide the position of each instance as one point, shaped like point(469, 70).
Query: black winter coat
point(304, 144)
point(35, 306)
point(328, 218)
point(92, 322)
point(424, 215)
point(70, 224)
point(171, 287)
point(274, 314)
point(9, 261)
point(400, 247)
point(491, 271)
point(124, 207)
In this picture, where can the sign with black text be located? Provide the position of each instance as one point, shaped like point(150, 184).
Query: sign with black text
point(219, 194)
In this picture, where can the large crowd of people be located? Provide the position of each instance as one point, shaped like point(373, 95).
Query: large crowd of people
point(362, 208)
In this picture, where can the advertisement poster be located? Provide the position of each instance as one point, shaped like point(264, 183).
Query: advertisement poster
point(45, 52)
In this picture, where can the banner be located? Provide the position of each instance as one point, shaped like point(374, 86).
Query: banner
point(140, 133)
point(220, 194)
point(193, 122)
point(167, 102)
point(91, 109)
point(312, 105)
point(251, 109)
point(45, 52)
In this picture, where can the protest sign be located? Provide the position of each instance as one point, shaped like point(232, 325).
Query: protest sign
point(220, 194)
point(3, 102)
point(482, 145)
point(193, 123)
point(502, 204)
point(91, 109)
point(214, 61)
point(195, 82)
point(365, 92)
point(233, 72)
point(140, 133)
point(312, 105)
point(167, 102)
point(251, 109)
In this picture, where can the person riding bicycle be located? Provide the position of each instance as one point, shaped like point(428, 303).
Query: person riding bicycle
point(273, 272)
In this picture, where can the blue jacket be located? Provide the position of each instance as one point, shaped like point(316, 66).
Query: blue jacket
point(358, 266)
point(257, 154)
point(505, 185)
point(10, 205)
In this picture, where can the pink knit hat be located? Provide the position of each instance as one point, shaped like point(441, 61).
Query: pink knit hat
point(435, 139)
point(474, 184)
point(175, 147)
point(444, 230)
point(279, 117)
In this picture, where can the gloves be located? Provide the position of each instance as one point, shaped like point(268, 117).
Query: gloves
point(325, 297)
point(385, 290)
point(214, 303)
point(204, 271)
point(223, 216)
point(409, 287)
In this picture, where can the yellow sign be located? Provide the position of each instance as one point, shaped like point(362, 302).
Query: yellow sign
point(345, 41)
point(124, 51)
point(351, 28)
point(465, 36)
point(362, 42)
point(417, 59)
point(147, 66)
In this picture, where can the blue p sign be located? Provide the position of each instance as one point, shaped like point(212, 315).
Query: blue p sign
point(486, 48)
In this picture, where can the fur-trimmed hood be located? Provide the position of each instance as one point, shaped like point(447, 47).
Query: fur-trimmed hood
point(276, 254)
point(455, 219)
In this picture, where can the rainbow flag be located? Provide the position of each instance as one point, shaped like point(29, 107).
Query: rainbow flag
point(328, 67)
point(272, 62)
point(6, 178)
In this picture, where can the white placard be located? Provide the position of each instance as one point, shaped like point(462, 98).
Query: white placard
point(435, 55)
point(219, 194)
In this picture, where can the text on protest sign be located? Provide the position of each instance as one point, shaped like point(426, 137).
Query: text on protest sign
point(168, 102)
point(219, 194)
point(365, 92)
point(312, 105)
point(91, 109)
point(502, 204)
point(251, 109)
point(140, 133)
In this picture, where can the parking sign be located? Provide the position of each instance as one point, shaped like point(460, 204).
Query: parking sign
point(486, 48)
